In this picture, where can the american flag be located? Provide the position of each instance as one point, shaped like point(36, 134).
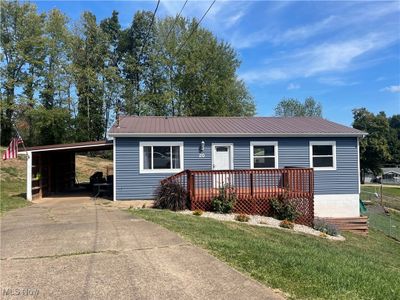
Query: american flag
point(12, 150)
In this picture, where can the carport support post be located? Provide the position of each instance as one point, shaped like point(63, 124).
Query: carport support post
point(29, 176)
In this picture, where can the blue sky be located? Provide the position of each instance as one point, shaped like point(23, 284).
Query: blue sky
point(346, 54)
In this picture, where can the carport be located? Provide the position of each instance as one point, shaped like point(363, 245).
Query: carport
point(51, 168)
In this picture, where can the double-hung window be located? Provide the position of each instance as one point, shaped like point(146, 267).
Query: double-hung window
point(263, 155)
point(323, 155)
point(161, 157)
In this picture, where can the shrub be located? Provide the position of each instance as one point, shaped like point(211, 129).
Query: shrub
point(242, 218)
point(286, 224)
point(326, 227)
point(171, 195)
point(224, 202)
point(197, 212)
point(283, 208)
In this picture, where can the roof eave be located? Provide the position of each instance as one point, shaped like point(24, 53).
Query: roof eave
point(128, 134)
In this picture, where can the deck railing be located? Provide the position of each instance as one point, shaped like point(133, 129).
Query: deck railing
point(253, 188)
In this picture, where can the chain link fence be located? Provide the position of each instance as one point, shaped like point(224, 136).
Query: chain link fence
point(383, 212)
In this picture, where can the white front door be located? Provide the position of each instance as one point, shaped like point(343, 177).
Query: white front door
point(222, 160)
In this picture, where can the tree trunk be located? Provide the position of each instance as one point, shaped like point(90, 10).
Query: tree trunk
point(6, 124)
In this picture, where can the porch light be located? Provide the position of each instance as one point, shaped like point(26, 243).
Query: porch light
point(202, 145)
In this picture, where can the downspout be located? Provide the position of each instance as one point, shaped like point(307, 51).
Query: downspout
point(114, 171)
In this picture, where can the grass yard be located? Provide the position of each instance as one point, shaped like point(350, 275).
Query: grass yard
point(391, 195)
point(86, 166)
point(303, 267)
point(390, 225)
point(12, 183)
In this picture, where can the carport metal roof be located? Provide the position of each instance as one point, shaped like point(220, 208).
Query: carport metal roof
point(75, 147)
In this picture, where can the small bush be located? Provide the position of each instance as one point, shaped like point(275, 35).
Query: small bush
point(197, 212)
point(242, 218)
point(286, 224)
point(171, 195)
point(325, 227)
point(225, 200)
point(284, 209)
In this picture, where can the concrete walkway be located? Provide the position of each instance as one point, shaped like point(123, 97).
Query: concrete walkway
point(74, 248)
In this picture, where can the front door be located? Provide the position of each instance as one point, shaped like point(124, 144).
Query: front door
point(222, 160)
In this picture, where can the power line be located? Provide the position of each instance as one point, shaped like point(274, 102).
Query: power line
point(148, 31)
point(176, 19)
point(195, 28)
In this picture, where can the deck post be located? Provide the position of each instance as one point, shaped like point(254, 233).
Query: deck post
point(190, 187)
point(251, 184)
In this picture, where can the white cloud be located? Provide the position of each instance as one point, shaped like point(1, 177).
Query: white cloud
point(293, 86)
point(307, 31)
point(356, 17)
point(263, 76)
point(336, 81)
point(338, 56)
point(392, 89)
point(232, 20)
point(251, 40)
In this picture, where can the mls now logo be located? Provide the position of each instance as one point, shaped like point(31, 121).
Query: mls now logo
point(20, 292)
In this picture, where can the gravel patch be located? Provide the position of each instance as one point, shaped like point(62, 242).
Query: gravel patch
point(264, 221)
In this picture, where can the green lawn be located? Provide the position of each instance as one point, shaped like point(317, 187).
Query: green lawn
point(391, 195)
point(390, 225)
point(12, 184)
point(302, 266)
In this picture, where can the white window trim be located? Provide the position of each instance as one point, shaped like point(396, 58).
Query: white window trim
point(265, 143)
point(155, 144)
point(214, 145)
point(323, 143)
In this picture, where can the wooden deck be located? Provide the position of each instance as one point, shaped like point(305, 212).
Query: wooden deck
point(253, 188)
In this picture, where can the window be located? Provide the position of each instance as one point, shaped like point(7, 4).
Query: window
point(263, 155)
point(323, 155)
point(161, 157)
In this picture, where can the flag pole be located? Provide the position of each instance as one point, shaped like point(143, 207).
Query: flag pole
point(23, 143)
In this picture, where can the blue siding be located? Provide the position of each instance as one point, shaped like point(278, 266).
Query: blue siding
point(130, 184)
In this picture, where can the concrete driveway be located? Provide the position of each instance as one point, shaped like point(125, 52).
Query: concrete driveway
point(74, 248)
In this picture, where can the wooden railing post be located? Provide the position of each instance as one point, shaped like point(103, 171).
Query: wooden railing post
point(189, 183)
point(251, 184)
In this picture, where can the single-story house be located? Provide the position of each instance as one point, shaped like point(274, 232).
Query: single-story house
point(149, 149)
point(391, 175)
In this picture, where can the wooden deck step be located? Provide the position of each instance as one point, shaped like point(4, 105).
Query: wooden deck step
point(357, 225)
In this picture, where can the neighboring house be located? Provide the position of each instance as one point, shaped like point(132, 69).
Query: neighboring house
point(148, 149)
point(391, 175)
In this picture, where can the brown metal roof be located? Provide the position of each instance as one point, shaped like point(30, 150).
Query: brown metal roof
point(230, 126)
point(76, 147)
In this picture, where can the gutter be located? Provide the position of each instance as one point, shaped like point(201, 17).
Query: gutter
point(120, 134)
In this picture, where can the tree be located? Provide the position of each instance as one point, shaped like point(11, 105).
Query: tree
point(374, 149)
point(191, 73)
point(88, 63)
point(84, 74)
point(20, 32)
point(294, 108)
point(112, 79)
point(136, 46)
point(54, 92)
point(394, 139)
